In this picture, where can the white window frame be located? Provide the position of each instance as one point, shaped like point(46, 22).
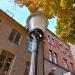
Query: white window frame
point(55, 58)
point(65, 63)
point(49, 39)
point(50, 56)
point(61, 47)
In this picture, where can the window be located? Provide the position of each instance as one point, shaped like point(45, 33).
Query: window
point(0, 20)
point(66, 50)
point(72, 68)
point(52, 41)
point(55, 58)
point(65, 63)
point(5, 62)
point(61, 47)
point(27, 68)
point(15, 36)
point(49, 40)
point(50, 55)
point(70, 55)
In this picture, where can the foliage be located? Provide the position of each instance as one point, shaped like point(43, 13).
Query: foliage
point(66, 30)
point(64, 11)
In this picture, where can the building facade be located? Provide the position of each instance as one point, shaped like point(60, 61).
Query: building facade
point(14, 57)
point(73, 49)
point(54, 57)
point(57, 55)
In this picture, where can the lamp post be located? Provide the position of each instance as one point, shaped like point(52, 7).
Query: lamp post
point(36, 24)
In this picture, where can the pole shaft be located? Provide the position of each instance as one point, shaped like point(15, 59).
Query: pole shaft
point(33, 65)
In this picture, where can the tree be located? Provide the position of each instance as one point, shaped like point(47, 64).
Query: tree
point(66, 30)
point(62, 9)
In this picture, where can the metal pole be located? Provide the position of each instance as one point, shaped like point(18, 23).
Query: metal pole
point(33, 65)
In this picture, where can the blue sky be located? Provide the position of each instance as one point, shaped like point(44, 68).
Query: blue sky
point(20, 14)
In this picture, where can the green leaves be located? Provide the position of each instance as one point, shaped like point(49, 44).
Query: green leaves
point(65, 29)
point(64, 11)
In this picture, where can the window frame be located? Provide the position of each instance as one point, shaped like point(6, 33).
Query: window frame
point(50, 55)
point(49, 39)
point(52, 41)
point(8, 68)
point(61, 47)
point(65, 63)
point(72, 67)
point(13, 36)
point(55, 58)
point(27, 68)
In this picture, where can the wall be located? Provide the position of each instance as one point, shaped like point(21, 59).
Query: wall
point(20, 51)
point(56, 49)
point(58, 70)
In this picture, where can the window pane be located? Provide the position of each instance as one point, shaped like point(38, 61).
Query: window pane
point(72, 68)
point(52, 41)
point(11, 37)
point(17, 37)
point(27, 68)
point(50, 55)
point(0, 20)
point(61, 47)
point(65, 63)
point(2, 58)
point(5, 62)
point(49, 41)
point(55, 58)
